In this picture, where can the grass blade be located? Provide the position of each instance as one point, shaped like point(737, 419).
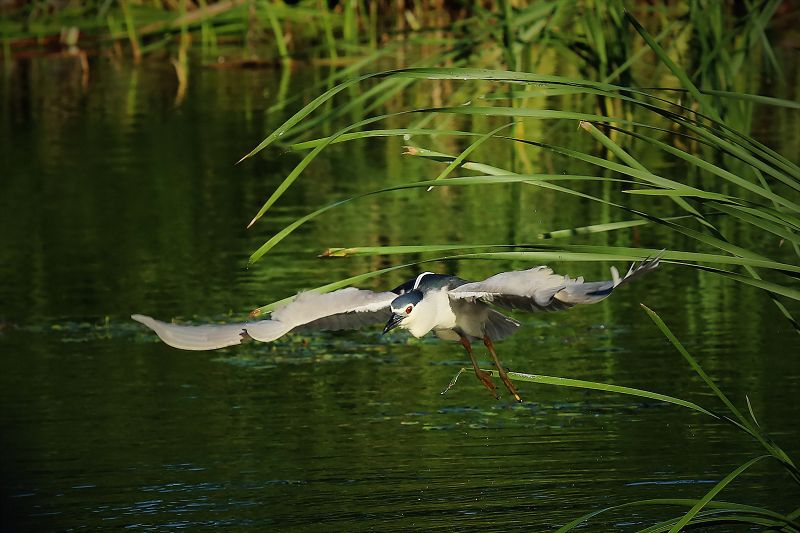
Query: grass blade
point(471, 148)
point(713, 492)
point(682, 502)
point(674, 68)
point(601, 228)
point(693, 363)
point(605, 387)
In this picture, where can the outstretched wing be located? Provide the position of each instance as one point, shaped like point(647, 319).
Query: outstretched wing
point(205, 337)
point(538, 289)
point(348, 308)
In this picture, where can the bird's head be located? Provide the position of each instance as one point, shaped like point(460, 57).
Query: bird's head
point(403, 310)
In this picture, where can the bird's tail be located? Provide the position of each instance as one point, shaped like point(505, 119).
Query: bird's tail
point(212, 336)
point(499, 326)
point(589, 293)
point(648, 265)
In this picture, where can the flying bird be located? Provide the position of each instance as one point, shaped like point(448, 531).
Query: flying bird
point(453, 308)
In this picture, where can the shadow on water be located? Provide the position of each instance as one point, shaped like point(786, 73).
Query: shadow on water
point(117, 201)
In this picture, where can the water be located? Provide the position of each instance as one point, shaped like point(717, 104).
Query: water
point(115, 200)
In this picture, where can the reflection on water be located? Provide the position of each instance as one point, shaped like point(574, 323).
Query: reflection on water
point(115, 201)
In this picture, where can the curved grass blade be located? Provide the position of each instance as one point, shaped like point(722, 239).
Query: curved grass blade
point(520, 77)
point(682, 502)
point(639, 173)
point(755, 431)
point(350, 70)
point(738, 211)
point(369, 134)
point(643, 175)
point(304, 112)
point(471, 148)
point(706, 239)
point(465, 181)
point(301, 166)
point(366, 102)
point(732, 210)
point(423, 73)
point(757, 98)
point(632, 162)
point(295, 173)
point(605, 387)
point(564, 252)
point(674, 68)
point(756, 282)
point(717, 518)
point(751, 216)
point(713, 492)
point(693, 363)
point(506, 111)
point(713, 169)
point(601, 228)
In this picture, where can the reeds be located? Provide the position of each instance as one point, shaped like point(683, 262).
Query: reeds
point(766, 211)
point(738, 181)
point(703, 511)
point(518, 34)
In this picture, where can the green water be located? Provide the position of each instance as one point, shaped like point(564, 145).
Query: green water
point(114, 200)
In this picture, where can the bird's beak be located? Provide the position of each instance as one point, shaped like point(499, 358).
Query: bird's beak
point(392, 323)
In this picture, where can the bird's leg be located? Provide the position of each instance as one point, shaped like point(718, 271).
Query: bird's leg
point(483, 376)
point(503, 375)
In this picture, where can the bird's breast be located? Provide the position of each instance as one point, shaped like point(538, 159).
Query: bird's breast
point(432, 313)
point(445, 316)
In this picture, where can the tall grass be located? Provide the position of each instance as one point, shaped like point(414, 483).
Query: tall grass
point(518, 34)
point(768, 207)
point(309, 29)
point(740, 180)
point(703, 511)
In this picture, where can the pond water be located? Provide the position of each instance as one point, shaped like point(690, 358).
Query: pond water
point(116, 200)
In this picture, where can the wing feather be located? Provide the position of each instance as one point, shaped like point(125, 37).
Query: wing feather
point(205, 337)
point(539, 289)
point(348, 308)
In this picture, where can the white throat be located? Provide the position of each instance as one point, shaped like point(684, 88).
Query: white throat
point(432, 312)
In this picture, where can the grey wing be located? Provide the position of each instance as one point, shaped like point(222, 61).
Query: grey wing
point(205, 337)
point(538, 289)
point(348, 308)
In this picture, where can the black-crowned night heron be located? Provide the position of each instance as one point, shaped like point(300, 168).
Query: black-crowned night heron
point(453, 308)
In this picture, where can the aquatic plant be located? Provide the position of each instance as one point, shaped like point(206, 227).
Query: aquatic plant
point(704, 511)
point(763, 198)
point(734, 185)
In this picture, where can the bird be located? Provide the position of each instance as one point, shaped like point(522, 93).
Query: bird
point(454, 309)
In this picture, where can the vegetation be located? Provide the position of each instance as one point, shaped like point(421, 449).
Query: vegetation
point(703, 511)
point(658, 113)
point(733, 185)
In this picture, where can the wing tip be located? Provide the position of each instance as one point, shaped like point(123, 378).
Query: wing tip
point(143, 319)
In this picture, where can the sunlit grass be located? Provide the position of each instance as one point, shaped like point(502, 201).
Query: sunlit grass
point(745, 181)
point(761, 185)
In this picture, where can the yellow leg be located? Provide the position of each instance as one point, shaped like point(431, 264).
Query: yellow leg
point(503, 375)
point(483, 376)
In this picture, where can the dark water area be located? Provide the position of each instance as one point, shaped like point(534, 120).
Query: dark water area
point(114, 200)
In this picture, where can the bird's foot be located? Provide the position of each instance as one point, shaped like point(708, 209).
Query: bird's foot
point(486, 378)
point(510, 386)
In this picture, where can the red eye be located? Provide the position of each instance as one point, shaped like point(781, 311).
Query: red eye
point(409, 308)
